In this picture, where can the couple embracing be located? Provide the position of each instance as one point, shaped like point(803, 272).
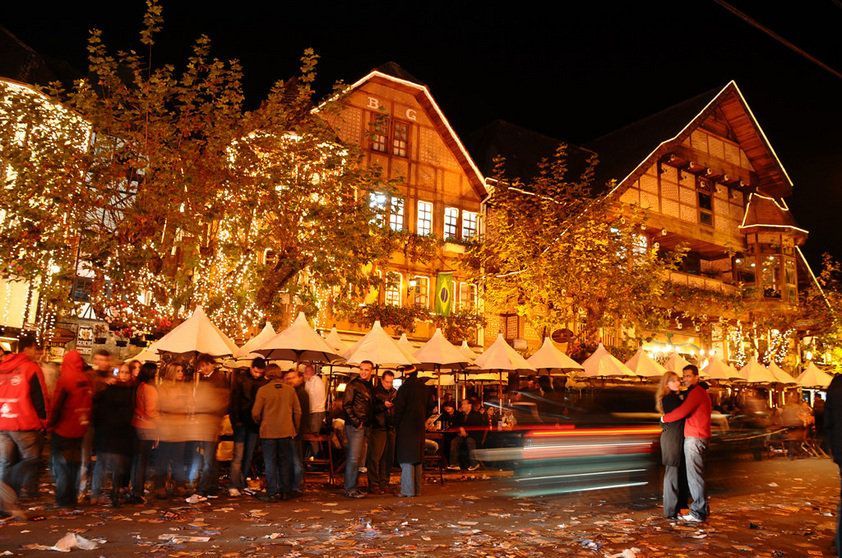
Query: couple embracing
point(684, 441)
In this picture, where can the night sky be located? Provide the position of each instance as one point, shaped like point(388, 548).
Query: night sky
point(575, 73)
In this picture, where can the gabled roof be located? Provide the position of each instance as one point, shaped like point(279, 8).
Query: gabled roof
point(629, 151)
point(425, 99)
point(22, 63)
point(766, 212)
point(522, 148)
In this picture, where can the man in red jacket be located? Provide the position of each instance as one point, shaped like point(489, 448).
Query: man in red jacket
point(23, 414)
point(696, 409)
point(69, 421)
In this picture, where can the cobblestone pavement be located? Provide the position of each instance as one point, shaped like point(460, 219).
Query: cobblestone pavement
point(775, 508)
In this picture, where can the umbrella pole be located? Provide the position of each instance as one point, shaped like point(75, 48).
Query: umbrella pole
point(438, 387)
point(500, 389)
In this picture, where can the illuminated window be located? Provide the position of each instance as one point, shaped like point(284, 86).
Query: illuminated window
point(419, 286)
point(379, 132)
point(424, 224)
point(396, 215)
point(770, 275)
point(451, 222)
point(467, 297)
point(400, 139)
point(392, 292)
point(469, 224)
point(377, 202)
point(790, 278)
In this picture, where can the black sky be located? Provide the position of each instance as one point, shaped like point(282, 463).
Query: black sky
point(574, 72)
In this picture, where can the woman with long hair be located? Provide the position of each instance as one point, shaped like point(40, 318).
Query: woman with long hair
point(668, 398)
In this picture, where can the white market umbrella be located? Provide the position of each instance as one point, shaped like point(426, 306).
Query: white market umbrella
point(676, 363)
point(718, 370)
point(265, 334)
point(549, 357)
point(147, 354)
point(813, 376)
point(196, 334)
point(379, 348)
point(468, 352)
point(406, 346)
point(781, 375)
point(440, 353)
point(335, 341)
point(644, 365)
point(602, 363)
point(500, 356)
point(756, 373)
point(298, 343)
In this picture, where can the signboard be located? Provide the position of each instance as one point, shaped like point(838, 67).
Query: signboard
point(85, 340)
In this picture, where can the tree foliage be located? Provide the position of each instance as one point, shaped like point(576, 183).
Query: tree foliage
point(160, 186)
point(560, 254)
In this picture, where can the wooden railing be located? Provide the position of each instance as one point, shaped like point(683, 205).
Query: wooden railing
point(701, 282)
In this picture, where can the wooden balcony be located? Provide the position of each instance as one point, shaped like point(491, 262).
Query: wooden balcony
point(702, 282)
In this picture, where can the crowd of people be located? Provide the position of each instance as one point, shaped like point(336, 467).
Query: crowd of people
point(124, 433)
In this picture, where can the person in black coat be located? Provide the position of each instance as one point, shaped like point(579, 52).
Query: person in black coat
point(113, 410)
point(833, 432)
point(410, 416)
point(667, 398)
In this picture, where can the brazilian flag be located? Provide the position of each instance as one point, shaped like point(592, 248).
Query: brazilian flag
point(444, 293)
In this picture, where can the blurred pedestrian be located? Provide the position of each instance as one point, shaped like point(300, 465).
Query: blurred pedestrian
point(358, 404)
point(70, 418)
point(246, 431)
point(410, 415)
point(381, 437)
point(833, 432)
point(24, 410)
point(145, 423)
point(696, 409)
point(668, 397)
point(113, 410)
point(102, 375)
point(278, 412)
point(209, 404)
point(174, 395)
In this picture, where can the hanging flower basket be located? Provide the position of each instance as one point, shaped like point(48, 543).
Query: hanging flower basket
point(121, 342)
point(99, 340)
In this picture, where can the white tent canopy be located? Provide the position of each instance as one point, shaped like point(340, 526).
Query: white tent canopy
point(439, 353)
point(602, 363)
point(196, 334)
point(468, 352)
point(718, 370)
point(297, 343)
point(676, 363)
point(406, 346)
point(335, 341)
point(147, 354)
point(501, 356)
point(549, 357)
point(813, 376)
point(643, 365)
point(379, 348)
point(265, 334)
point(756, 373)
point(781, 375)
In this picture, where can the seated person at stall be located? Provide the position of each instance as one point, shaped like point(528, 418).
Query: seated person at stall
point(468, 430)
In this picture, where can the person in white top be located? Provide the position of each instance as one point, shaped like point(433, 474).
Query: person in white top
point(315, 388)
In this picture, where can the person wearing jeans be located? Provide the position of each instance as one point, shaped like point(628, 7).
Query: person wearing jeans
point(113, 411)
point(381, 437)
point(358, 406)
point(278, 412)
point(696, 410)
point(145, 423)
point(246, 432)
point(24, 415)
point(410, 417)
point(208, 407)
point(70, 419)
